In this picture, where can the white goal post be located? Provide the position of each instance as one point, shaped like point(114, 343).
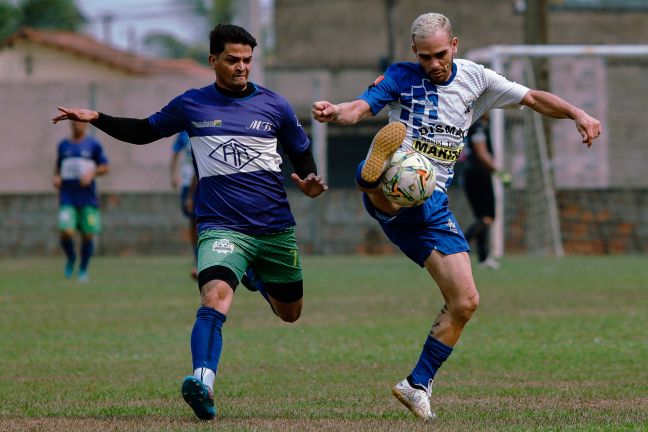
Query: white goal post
point(496, 57)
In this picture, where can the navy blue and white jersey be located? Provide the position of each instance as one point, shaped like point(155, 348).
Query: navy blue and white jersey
point(438, 116)
point(75, 159)
point(234, 143)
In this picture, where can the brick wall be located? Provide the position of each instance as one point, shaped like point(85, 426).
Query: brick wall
point(593, 222)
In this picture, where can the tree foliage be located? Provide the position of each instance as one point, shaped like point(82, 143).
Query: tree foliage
point(45, 14)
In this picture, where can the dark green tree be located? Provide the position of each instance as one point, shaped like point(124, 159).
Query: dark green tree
point(47, 14)
point(212, 11)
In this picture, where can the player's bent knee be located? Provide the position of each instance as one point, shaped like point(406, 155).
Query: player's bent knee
point(464, 309)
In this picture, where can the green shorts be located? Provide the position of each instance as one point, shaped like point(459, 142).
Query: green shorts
point(274, 257)
point(86, 220)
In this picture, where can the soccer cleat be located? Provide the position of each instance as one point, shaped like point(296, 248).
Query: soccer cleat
point(416, 400)
point(82, 276)
point(385, 143)
point(69, 269)
point(199, 398)
point(489, 263)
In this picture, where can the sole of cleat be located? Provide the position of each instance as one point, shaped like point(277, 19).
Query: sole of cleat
point(194, 394)
point(385, 143)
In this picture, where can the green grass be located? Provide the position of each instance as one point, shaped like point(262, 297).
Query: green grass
point(555, 345)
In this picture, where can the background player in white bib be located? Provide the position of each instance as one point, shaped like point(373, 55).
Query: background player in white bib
point(80, 159)
point(432, 103)
point(244, 219)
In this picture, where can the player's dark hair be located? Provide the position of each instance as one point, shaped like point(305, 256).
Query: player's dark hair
point(223, 34)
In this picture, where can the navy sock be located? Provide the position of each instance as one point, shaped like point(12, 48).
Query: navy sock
point(68, 247)
point(87, 248)
point(432, 357)
point(207, 338)
point(360, 181)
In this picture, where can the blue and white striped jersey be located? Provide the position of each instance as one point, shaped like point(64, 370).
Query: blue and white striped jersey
point(234, 143)
point(438, 116)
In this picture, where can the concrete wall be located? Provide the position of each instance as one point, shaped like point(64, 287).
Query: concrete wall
point(593, 222)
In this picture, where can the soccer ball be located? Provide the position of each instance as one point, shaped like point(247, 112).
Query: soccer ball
point(409, 179)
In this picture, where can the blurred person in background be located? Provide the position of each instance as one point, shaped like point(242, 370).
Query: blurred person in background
point(182, 174)
point(80, 159)
point(432, 104)
point(245, 226)
point(478, 185)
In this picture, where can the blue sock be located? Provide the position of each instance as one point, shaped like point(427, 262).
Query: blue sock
point(207, 338)
point(432, 357)
point(87, 248)
point(360, 181)
point(68, 247)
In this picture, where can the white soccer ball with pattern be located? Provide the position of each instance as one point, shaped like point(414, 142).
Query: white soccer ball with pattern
point(409, 179)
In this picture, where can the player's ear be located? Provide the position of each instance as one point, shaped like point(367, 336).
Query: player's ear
point(454, 42)
point(212, 60)
point(414, 49)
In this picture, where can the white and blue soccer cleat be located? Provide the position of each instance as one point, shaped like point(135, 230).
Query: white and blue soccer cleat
point(416, 400)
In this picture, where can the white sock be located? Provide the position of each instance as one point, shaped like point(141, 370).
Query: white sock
point(207, 376)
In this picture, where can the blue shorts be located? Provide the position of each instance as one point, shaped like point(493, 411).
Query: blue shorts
point(417, 231)
point(184, 192)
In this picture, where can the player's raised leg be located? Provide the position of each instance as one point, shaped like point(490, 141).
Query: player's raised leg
point(453, 275)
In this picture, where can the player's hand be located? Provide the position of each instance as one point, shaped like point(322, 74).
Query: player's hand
point(76, 114)
point(589, 128)
point(505, 177)
point(56, 181)
point(325, 111)
point(174, 182)
point(312, 186)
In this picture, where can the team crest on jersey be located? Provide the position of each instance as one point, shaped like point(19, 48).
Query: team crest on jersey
point(207, 123)
point(234, 154)
point(223, 246)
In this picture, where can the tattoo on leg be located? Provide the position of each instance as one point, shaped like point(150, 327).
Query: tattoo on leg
point(437, 321)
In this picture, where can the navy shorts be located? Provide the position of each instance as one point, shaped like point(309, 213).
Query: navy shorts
point(419, 230)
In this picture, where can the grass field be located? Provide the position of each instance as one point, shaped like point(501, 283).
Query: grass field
point(555, 345)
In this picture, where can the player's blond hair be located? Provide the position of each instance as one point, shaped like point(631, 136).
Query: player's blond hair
point(430, 23)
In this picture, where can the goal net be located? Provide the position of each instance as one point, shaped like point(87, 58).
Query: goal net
point(546, 160)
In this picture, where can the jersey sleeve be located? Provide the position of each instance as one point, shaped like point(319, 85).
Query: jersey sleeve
point(291, 134)
point(382, 92)
point(498, 93)
point(170, 119)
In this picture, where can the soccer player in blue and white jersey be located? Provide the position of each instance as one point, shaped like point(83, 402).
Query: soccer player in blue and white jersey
point(181, 170)
point(432, 103)
point(242, 210)
point(80, 159)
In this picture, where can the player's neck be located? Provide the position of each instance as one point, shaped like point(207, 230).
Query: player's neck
point(247, 91)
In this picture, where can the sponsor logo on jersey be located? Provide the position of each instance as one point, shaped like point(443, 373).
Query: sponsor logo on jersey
point(469, 106)
point(438, 150)
point(234, 154)
point(260, 125)
point(207, 123)
point(223, 246)
point(443, 129)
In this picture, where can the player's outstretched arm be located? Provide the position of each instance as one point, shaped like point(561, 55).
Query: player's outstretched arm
point(346, 113)
point(130, 130)
point(552, 106)
point(312, 185)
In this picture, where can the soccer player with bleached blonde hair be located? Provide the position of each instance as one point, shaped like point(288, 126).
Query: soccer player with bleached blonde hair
point(432, 103)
